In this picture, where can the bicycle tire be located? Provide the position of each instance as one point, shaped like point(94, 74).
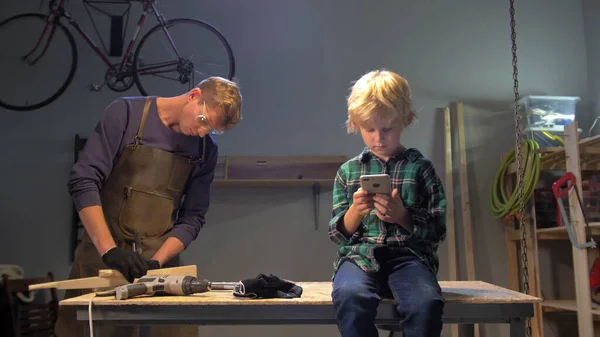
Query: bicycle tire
point(172, 22)
point(72, 70)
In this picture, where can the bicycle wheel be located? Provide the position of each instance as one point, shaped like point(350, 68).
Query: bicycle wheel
point(41, 58)
point(173, 59)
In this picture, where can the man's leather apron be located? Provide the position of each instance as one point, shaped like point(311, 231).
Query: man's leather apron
point(142, 195)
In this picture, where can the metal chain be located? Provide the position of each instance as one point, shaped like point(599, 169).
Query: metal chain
point(522, 218)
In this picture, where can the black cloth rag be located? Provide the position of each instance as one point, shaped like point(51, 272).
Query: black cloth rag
point(267, 286)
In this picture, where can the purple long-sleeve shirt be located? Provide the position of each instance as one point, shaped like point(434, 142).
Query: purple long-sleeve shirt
point(117, 129)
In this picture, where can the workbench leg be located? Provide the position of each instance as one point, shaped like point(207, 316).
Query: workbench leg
point(517, 327)
point(145, 330)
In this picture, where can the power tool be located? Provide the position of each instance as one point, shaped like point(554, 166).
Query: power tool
point(165, 285)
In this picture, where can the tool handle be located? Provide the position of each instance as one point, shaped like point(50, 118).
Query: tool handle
point(197, 286)
point(222, 286)
point(130, 290)
point(565, 179)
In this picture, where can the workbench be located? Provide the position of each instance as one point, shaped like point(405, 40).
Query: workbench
point(467, 302)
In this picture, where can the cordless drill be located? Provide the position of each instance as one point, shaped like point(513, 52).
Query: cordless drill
point(165, 285)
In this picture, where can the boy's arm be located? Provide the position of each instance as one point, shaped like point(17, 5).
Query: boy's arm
point(430, 220)
point(337, 228)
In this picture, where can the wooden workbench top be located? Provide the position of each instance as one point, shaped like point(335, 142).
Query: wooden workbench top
point(314, 293)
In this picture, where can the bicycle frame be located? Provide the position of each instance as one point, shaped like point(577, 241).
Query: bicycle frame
point(58, 11)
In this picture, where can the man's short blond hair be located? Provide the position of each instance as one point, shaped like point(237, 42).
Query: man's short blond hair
point(225, 95)
point(380, 92)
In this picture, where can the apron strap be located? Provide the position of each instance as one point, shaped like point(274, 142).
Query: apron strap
point(203, 147)
point(201, 159)
point(138, 137)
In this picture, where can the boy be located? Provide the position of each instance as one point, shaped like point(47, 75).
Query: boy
point(387, 243)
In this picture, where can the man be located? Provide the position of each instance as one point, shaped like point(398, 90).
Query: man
point(141, 186)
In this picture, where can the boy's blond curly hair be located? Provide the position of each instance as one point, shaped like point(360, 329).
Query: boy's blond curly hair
point(223, 94)
point(379, 92)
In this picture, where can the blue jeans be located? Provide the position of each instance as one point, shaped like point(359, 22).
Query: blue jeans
point(356, 296)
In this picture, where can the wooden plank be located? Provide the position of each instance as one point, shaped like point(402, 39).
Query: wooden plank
point(283, 167)
point(81, 283)
point(580, 256)
point(452, 260)
point(464, 188)
point(108, 278)
point(512, 257)
point(191, 270)
point(285, 159)
point(275, 183)
point(450, 230)
point(566, 305)
point(560, 233)
point(534, 274)
point(466, 204)
point(316, 293)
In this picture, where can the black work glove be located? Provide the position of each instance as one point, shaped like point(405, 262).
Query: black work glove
point(153, 264)
point(267, 286)
point(131, 264)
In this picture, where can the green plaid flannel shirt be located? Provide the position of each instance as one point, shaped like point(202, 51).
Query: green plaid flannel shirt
point(422, 194)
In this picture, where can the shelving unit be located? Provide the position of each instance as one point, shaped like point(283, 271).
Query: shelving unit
point(578, 157)
point(277, 171)
point(279, 183)
point(315, 172)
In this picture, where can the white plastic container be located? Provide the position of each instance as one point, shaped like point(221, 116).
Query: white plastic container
point(546, 116)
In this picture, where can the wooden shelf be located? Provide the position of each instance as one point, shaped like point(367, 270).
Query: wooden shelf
point(560, 233)
point(554, 159)
point(277, 171)
point(567, 305)
point(553, 233)
point(269, 168)
point(316, 172)
point(277, 183)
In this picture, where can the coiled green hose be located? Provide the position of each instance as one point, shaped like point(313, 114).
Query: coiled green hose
point(503, 205)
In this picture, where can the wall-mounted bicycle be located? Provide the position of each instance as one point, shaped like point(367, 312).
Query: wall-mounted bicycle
point(171, 57)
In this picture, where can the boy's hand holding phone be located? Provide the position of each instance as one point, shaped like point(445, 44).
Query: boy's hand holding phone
point(363, 202)
point(391, 209)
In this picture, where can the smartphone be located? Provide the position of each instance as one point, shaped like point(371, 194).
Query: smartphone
point(376, 183)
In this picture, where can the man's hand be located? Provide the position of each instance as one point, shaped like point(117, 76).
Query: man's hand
point(128, 262)
point(391, 209)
